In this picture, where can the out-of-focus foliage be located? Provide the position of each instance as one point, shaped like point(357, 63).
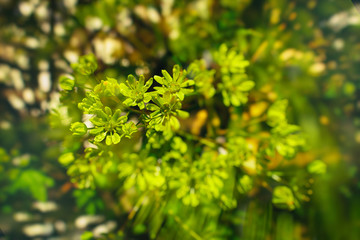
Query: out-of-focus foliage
point(254, 54)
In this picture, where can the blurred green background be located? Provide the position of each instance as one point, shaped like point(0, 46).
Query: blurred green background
point(307, 51)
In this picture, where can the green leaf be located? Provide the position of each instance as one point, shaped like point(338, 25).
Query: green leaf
point(115, 138)
point(100, 137)
point(87, 235)
point(283, 198)
point(100, 113)
point(66, 158)
point(246, 86)
point(277, 113)
point(34, 182)
point(108, 140)
point(148, 84)
point(167, 76)
point(66, 83)
point(152, 107)
point(317, 167)
point(108, 111)
point(174, 122)
point(159, 79)
point(96, 131)
point(176, 72)
point(78, 128)
point(182, 114)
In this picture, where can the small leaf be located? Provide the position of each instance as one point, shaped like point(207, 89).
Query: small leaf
point(78, 128)
point(108, 140)
point(66, 83)
point(317, 167)
point(96, 131)
point(108, 111)
point(283, 198)
point(100, 137)
point(176, 72)
point(152, 107)
point(182, 114)
point(66, 158)
point(277, 113)
point(246, 86)
point(100, 113)
point(174, 122)
point(148, 84)
point(115, 138)
point(159, 79)
point(167, 76)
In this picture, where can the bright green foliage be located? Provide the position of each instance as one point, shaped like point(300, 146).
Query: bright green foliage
point(111, 127)
point(164, 114)
point(87, 236)
point(140, 170)
point(290, 49)
point(34, 182)
point(22, 178)
point(204, 79)
point(88, 200)
point(160, 158)
point(135, 91)
point(177, 84)
point(286, 138)
point(276, 114)
point(235, 83)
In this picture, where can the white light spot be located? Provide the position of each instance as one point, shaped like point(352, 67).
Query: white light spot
point(5, 125)
point(16, 102)
point(60, 226)
point(28, 96)
point(22, 60)
point(38, 230)
point(4, 71)
point(54, 100)
point(45, 26)
point(166, 6)
point(42, 11)
point(83, 221)
point(17, 79)
point(317, 68)
point(44, 81)
point(59, 29)
point(338, 44)
point(71, 56)
point(125, 62)
point(107, 49)
point(93, 23)
point(86, 120)
point(70, 3)
point(32, 42)
point(26, 8)
point(104, 228)
point(45, 206)
point(21, 217)
point(153, 15)
point(222, 151)
point(43, 65)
